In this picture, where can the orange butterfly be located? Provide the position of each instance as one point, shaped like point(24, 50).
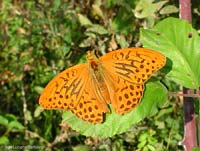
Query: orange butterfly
point(116, 78)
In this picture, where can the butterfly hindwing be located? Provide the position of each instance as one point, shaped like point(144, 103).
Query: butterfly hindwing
point(91, 107)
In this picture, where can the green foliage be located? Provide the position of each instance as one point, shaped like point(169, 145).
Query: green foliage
point(147, 141)
point(9, 124)
point(195, 149)
point(38, 39)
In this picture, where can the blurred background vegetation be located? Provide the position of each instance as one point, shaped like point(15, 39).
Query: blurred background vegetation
point(39, 38)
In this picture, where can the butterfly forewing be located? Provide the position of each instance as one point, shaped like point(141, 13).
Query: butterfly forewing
point(135, 65)
point(65, 90)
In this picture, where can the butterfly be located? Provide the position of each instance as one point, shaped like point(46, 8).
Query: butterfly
point(116, 78)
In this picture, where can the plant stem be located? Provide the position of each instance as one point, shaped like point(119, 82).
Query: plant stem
point(24, 109)
point(185, 10)
point(190, 139)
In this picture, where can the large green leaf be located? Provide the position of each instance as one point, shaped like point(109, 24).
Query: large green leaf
point(180, 43)
point(155, 95)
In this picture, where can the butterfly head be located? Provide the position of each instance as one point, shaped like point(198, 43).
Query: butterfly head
point(93, 60)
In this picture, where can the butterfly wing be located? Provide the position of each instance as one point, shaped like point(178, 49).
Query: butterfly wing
point(126, 71)
point(65, 90)
point(91, 107)
point(73, 90)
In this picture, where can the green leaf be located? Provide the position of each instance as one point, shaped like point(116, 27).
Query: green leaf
point(4, 140)
point(11, 117)
point(65, 49)
point(56, 5)
point(169, 9)
point(87, 42)
point(38, 111)
point(84, 21)
point(97, 11)
point(15, 125)
point(151, 147)
point(146, 8)
point(95, 28)
point(28, 115)
point(122, 41)
point(142, 144)
point(155, 95)
point(81, 148)
point(38, 89)
point(152, 140)
point(195, 149)
point(143, 137)
point(3, 121)
point(180, 43)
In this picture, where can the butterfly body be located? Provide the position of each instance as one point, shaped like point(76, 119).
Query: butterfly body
point(96, 70)
point(116, 78)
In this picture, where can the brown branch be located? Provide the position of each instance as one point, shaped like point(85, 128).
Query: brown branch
point(185, 10)
point(190, 94)
point(190, 140)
